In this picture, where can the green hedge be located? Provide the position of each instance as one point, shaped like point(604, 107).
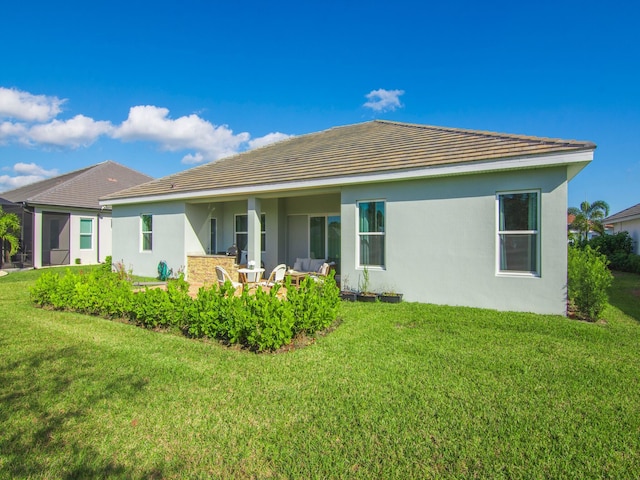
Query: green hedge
point(259, 321)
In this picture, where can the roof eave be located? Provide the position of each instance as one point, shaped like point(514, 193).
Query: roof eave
point(574, 160)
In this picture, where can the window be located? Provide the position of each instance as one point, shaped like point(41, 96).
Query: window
point(242, 232)
point(371, 233)
point(324, 238)
point(213, 236)
point(146, 223)
point(86, 233)
point(518, 232)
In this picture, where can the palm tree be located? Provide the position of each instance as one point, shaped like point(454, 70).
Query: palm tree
point(9, 231)
point(589, 218)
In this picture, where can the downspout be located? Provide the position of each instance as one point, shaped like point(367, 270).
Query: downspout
point(98, 237)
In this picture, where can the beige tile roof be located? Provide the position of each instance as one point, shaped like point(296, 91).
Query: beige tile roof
point(80, 188)
point(372, 147)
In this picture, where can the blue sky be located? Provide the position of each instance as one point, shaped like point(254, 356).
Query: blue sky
point(162, 86)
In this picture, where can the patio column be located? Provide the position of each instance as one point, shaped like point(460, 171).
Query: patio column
point(37, 238)
point(254, 231)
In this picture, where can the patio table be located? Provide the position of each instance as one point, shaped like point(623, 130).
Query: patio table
point(251, 275)
point(296, 277)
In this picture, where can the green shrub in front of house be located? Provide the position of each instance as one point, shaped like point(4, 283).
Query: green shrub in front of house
point(260, 321)
point(588, 281)
point(315, 304)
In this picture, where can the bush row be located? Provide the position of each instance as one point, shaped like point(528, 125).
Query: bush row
point(259, 321)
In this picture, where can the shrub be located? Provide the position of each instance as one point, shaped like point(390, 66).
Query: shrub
point(41, 291)
point(271, 320)
point(608, 245)
point(314, 303)
point(587, 282)
point(617, 248)
point(259, 321)
point(62, 297)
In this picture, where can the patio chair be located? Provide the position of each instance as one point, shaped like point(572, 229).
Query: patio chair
point(223, 277)
point(323, 272)
point(276, 276)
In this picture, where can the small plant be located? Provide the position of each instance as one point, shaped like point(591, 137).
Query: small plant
point(122, 272)
point(77, 261)
point(107, 266)
point(365, 295)
point(364, 283)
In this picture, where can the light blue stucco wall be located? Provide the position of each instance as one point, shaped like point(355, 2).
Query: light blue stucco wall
point(441, 241)
point(169, 232)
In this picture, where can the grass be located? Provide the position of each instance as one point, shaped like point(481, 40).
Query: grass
point(396, 391)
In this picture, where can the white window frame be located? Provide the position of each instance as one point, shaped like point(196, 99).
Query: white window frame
point(359, 235)
point(143, 232)
point(90, 234)
point(536, 232)
point(263, 229)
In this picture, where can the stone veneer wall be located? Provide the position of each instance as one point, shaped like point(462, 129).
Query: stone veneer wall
point(202, 268)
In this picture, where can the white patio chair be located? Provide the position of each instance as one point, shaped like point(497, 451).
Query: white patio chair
point(276, 276)
point(223, 276)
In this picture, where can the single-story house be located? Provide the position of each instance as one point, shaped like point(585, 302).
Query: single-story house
point(627, 220)
point(61, 218)
point(442, 215)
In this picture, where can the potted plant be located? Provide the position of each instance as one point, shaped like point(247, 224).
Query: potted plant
point(390, 297)
point(365, 295)
point(346, 293)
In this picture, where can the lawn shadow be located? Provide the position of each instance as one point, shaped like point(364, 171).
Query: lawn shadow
point(625, 294)
point(40, 409)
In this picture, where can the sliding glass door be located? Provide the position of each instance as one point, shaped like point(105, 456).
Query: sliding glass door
point(324, 238)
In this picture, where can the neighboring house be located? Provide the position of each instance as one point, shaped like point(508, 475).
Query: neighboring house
point(627, 220)
point(442, 215)
point(61, 218)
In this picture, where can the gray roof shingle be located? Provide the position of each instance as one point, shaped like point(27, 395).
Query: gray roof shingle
point(365, 148)
point(626, 213)
point(80, 188)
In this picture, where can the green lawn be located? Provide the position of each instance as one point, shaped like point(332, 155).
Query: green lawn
point(396, 391)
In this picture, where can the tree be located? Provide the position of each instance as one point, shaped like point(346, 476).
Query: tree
point(589, 218)
point(9, 233)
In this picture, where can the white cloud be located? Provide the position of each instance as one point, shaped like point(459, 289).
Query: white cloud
point(382, 100)
point(268, 139)
point(79, 131)
point(192, 158)
point(33, 169)
point(211, 142)
point(27, 173)
point(26, 106)
point(9, 130)
point(32, 123)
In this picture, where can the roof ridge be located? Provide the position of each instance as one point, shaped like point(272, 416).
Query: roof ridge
point(491, 134)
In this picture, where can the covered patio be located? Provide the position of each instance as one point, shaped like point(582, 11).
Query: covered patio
point(264, 231)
